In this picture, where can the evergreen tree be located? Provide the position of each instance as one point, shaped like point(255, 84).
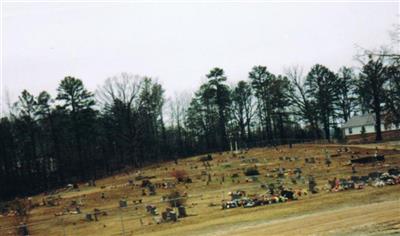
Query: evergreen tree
point(220, 95)
point(243, 109)
point(371, 88)
point(78, 102)
point(261, 81)
point(321, 88)
point(346, 90)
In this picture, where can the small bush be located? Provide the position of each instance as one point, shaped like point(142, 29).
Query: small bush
point(226, 165)
point(206, 158)
point(20, 206)
point(251, 171)
point(145, 183)
point(235, 175)
point(179, 175)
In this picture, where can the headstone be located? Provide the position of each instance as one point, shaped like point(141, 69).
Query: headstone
point(92, 183)
point(152, 190)
point(281, 173)
point(355, 178)
point(328, 159)
point(182, 211)
point(153, 211)
point(123, 203)
point(172, 216)
point(393, 171)
point(353, 169)
point(89, 217)
point(164, 215)
point(312, 184)
point(23, 230)
point(374, 175)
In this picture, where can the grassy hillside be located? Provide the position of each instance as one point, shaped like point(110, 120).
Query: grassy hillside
point(311, 213)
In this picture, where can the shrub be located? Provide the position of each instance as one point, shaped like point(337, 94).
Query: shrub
point(3, 208)
point(145, 183)
point(179, 175)
point(206, 158)
point(235, 175)
point(227, 165)
point(20, 206)
point(251, 171)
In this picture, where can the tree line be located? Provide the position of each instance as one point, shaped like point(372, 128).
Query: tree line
point(48, 142)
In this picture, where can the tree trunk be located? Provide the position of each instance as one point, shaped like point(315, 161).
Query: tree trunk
point(248, 132)
point(377, 111)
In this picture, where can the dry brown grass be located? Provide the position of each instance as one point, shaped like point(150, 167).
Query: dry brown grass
point(206, 220)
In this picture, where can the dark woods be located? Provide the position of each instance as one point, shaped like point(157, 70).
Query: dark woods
point(48, 142)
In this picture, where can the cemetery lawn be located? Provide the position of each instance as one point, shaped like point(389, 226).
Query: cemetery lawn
point(372, 210)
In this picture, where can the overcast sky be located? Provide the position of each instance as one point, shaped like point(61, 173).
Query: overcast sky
point(179, 43)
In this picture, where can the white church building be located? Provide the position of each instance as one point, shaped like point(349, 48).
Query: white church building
point(353, 129)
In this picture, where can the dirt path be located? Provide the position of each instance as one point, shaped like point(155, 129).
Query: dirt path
point(377, 218)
